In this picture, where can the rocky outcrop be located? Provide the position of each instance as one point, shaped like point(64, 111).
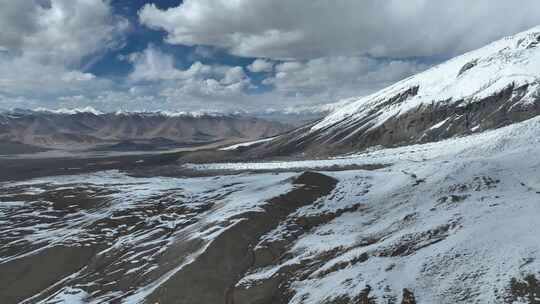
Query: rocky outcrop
point(274, 289)
point(426, 123)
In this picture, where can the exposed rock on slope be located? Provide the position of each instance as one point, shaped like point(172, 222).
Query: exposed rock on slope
point(209, 279)
point(481, 90)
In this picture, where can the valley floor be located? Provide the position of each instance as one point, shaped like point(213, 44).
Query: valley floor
point(448, 222)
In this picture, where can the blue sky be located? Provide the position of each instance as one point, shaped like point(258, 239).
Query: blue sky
point(229, 55)
point(140, 37)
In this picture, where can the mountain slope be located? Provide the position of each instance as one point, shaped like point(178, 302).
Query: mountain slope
point(446, 222)
point(481, 90)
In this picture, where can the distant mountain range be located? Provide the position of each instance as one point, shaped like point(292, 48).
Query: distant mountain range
point(83, 129)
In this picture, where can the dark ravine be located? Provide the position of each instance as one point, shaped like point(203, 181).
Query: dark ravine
point(275, 290)
point(14, 169)
point(22, 279)
point(212, 276)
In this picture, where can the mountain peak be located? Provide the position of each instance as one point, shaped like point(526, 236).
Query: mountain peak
point(488, 88)
point(511, 61)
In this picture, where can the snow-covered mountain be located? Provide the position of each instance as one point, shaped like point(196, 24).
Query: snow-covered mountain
point(293, 115)
point(488, 88)
point(448, 216)
point(449, 222)
point(65, 111)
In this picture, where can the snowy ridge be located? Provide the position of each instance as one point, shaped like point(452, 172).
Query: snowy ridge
point(91, 110)
point(247, 144)
point(195, 114)
point(513, 60)
point(302, 110)
point(313, 109)
point(73, 111)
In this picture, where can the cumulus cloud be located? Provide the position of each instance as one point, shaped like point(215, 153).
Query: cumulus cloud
point(47, 43)
point(152, 64)
point(17, 20)
point(307, 29)
point(204, 52)
point(20, 75)
point(260, 65)
point(300, 52)
point(293, 82)
point(201, 83)
point(226, 88)
point(234, 75)
point(332, 78)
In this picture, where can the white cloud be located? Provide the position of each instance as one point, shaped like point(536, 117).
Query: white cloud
point(293, 82)
point(75, 76)
point(306, 52)
point(332, 78)
point(234, 75)
point(17, 20)
point(204, 52)
point(200, 83)
point(307, 29)
point(70, 30)
point(157, 83)
point(20, 75)
point(260, 65)
point(152, 64)
point(47, 43)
